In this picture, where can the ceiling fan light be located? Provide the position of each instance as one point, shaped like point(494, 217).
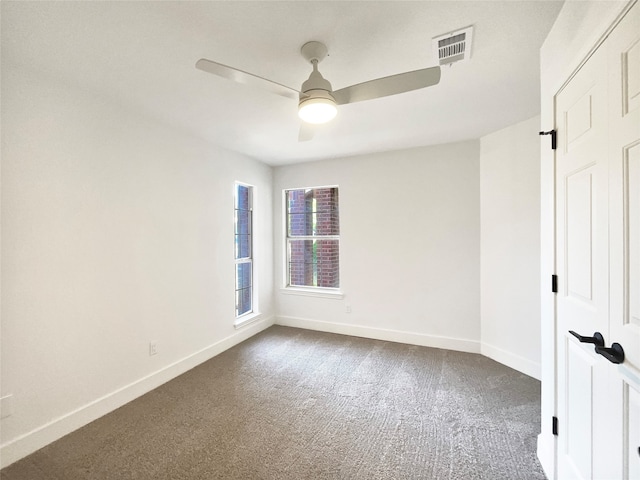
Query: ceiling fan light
point(317, 110)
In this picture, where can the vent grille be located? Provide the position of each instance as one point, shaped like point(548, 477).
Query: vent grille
point(454, 46)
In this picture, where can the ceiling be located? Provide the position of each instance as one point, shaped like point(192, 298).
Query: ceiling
point(142, 55)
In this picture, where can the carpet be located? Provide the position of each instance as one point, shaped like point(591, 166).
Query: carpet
point(296, 404)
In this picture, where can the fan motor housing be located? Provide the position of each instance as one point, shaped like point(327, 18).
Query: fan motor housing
point(315, 94)
point(316, 82)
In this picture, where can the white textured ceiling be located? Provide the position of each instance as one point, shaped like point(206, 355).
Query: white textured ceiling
point(142, 55)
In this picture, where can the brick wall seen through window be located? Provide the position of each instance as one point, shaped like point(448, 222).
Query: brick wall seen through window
point(313, 237)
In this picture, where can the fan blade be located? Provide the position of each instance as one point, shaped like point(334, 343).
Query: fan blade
point(392, 85)
point(246, 78)
point(306, 132)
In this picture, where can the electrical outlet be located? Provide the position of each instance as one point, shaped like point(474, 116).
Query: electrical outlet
point(348, 308)
point(153, 348)
point(6, 406)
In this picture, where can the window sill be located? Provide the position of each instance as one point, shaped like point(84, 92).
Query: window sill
point(315, 292)
point(247, 319)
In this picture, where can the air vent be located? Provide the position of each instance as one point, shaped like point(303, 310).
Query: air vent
point(454, 46)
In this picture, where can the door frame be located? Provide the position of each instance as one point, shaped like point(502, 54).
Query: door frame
point(561, 64)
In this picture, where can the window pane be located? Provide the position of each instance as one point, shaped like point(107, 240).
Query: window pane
point(314, 263)
point(242, 197)
point(296, 201)
point(297, 224)
point(243, 301)
point(326, 223)
point(243, 288)
point(243, 221)
point(243, 246)
point(243, 275)
point(312, 212)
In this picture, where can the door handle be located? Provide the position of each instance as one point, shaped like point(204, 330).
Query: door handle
point(615, 354)
point(597, 339)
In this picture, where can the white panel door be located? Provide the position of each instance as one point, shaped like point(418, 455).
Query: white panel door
point(598, 260)
point(623, 47)
point(582, 266)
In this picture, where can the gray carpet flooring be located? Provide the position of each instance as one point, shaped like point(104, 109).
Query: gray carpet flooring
point(296, 404)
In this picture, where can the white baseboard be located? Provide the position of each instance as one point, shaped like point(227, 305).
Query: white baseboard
point(435, 341)
point(512, 360)
point(28, 443)
point(546, 454)
point(509, 359)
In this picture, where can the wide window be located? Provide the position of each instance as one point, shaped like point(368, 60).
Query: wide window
point(313, 237)
point(244, 248)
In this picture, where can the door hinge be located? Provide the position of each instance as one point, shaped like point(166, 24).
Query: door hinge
point(554, 426)
point(554, 283)
point(554, 138)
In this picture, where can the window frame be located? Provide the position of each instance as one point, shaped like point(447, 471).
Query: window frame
point(307, 290)
point(249, 315)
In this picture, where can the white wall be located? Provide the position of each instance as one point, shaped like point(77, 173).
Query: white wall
point(510, 246)
point(116, 231)
point(409, 247)
point(576, 32)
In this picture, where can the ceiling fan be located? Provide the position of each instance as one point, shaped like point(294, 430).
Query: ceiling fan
point(317, 101)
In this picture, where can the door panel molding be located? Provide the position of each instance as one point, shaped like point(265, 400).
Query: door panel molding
point(631, 220)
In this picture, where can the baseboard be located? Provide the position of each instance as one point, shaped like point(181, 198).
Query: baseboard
point(36, 439)
point(435, 341)
point(546, 454)
point(511, 360)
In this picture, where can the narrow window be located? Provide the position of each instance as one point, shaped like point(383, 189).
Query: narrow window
point(313, 237)
point(244, 249)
